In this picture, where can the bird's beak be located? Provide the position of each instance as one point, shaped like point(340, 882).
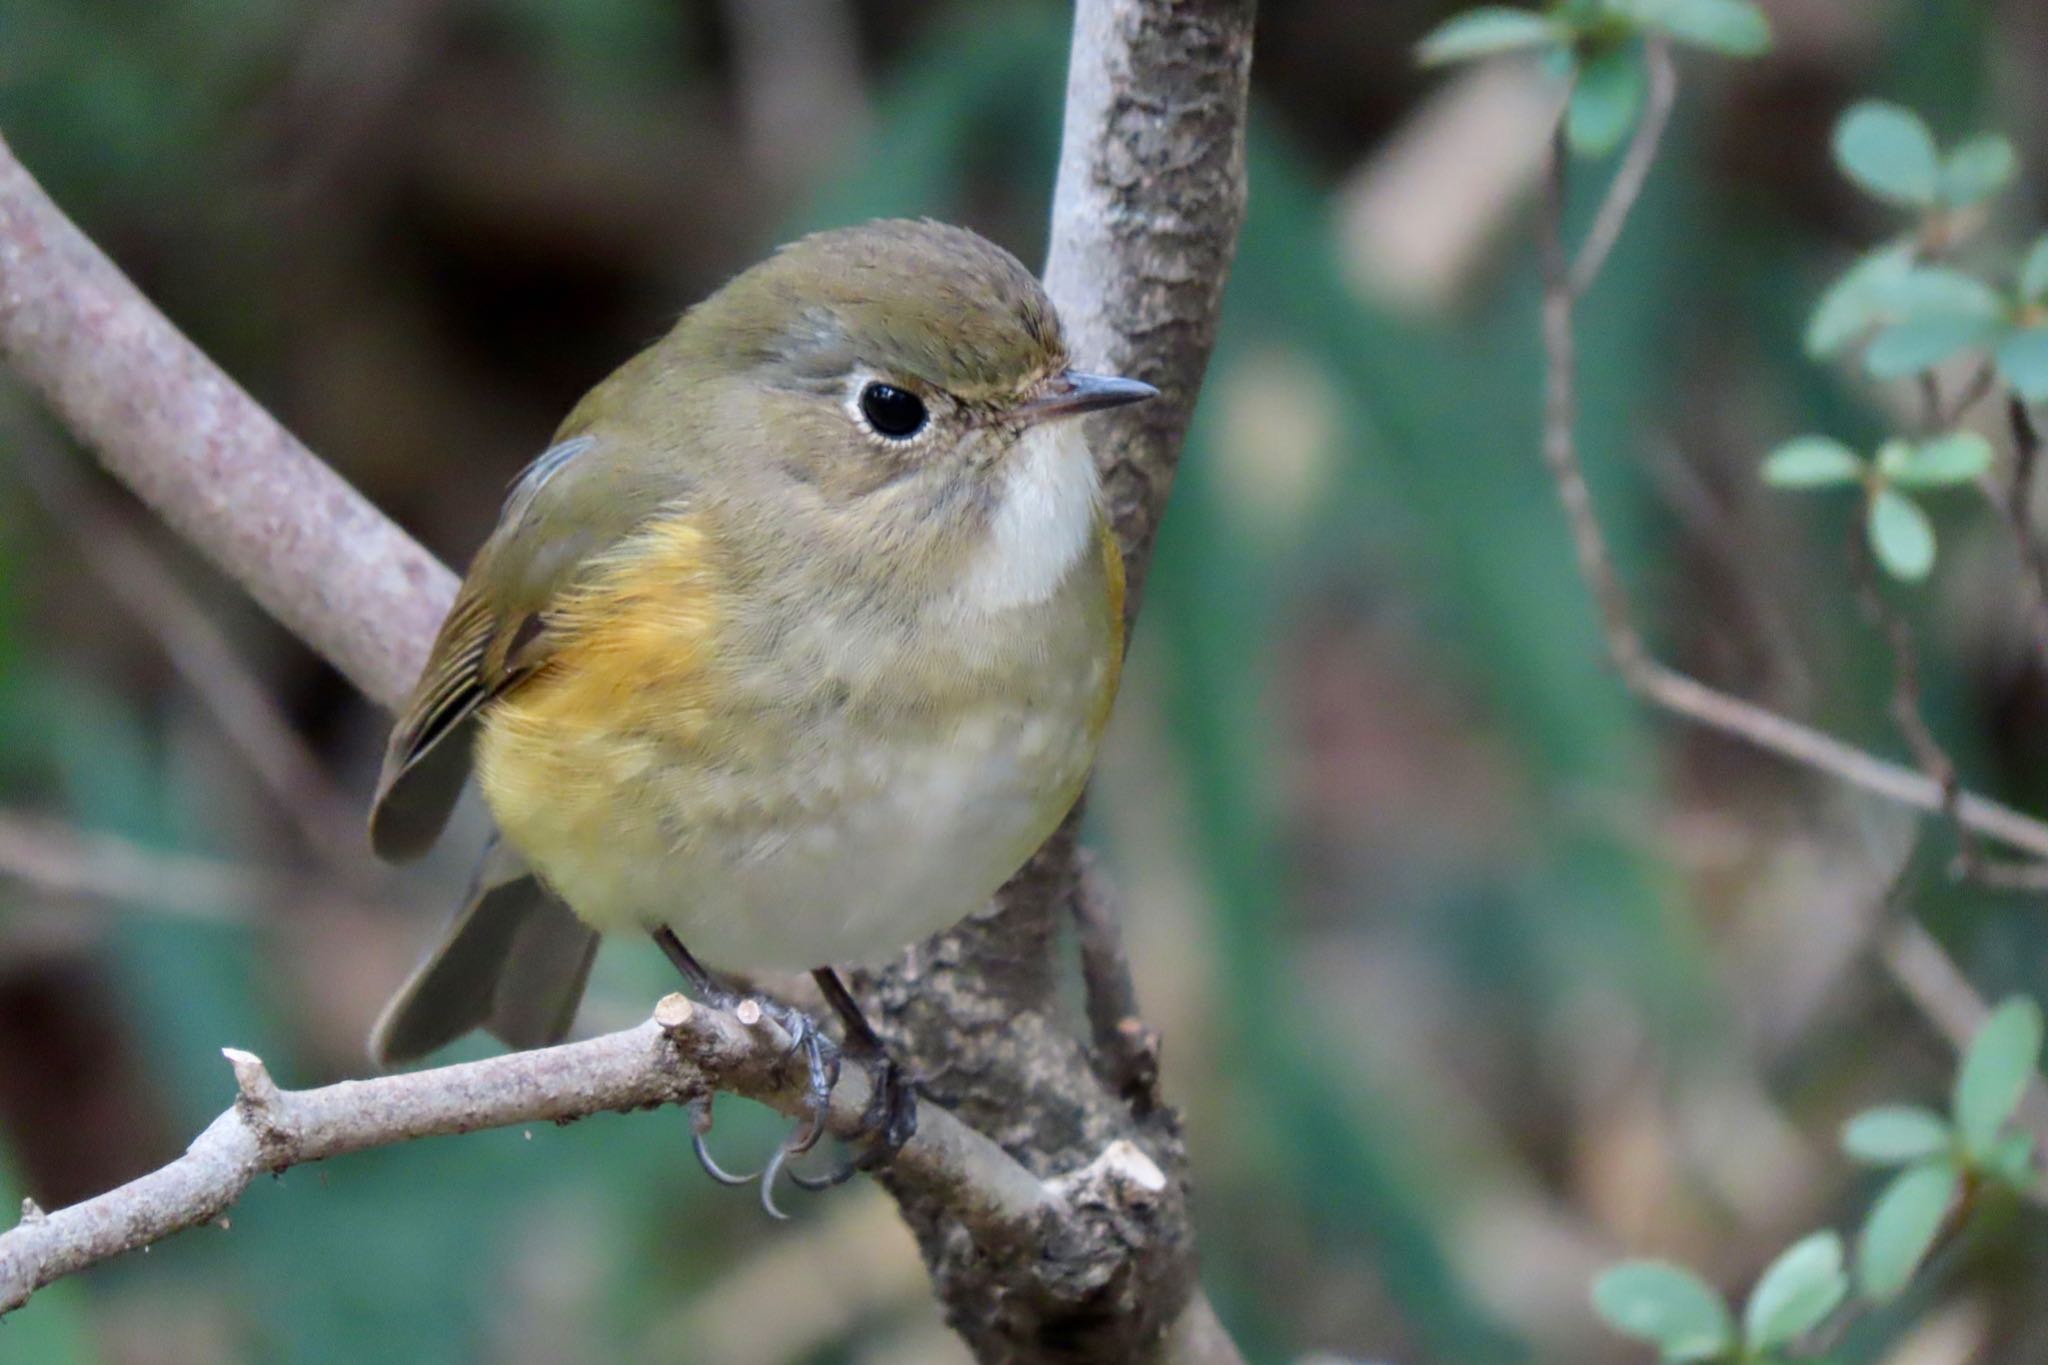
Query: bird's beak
point(1071, 393)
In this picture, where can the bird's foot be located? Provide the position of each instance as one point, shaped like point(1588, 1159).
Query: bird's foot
point(889, 1121)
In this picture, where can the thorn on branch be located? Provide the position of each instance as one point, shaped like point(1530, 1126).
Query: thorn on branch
point(261, 1105)
point(32, 1213)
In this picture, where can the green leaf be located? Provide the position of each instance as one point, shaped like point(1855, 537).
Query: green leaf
point(1977, 169)
point(1995, 1071)
point(2023, 360)
point(1605, 100)
point(1942, 462)
point(2034, 272)
point(2011, 1159)
point(1803, 1286)
point(1859, 300)
point(1887, 150)
point(1942, 291)
point(1735, 27)
point(1902, 1226)
point(1901, 536)
point(1666, 1305)
point(1896, 1134)
point(1907, 348)
point(1812, 462)
point(1484, 32)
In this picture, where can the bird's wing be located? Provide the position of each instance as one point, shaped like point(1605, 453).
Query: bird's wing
point(574, 501)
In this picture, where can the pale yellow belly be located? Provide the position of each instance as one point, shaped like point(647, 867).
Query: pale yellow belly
point(837, 844)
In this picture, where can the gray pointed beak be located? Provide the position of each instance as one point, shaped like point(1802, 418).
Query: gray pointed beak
point(1072, 393)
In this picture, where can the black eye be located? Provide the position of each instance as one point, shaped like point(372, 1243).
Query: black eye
point(896, 413)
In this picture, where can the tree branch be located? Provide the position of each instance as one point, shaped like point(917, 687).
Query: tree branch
point(1145, 220)
point(173, 427)
point(684, 1053)
point(1656, 682)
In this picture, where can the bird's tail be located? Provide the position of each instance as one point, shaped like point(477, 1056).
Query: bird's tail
point(513, 960)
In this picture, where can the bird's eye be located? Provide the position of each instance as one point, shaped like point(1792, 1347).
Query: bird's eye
point(895, 413)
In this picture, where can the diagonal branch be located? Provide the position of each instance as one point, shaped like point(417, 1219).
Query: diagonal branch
point(683, 1054)
point(1655, 682)
point(186, 438)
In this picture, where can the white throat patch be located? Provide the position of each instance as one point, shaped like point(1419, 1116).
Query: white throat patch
point(1043, 523)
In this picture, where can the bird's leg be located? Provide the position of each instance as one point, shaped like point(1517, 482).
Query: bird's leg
point(821, 1059)
point(890, 1118)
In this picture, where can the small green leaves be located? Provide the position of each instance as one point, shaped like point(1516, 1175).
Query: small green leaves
point(1667, 1306)
point(1944, 462)
point(1803, 1286)
point(1859, 301)
point(1902, 1226)
point(1995, 1072)
point(1910, 1212)
point(1485, 32)
point(1735, 28)
point(1907, 348)
point(1922, 314)
point(2034, 272)
point(1812, 462)
point(1596, 44)
point(2023, 359)
point(1887, 150)
point(1938, 311)
point(2011, 1160)
point(1977, 169)
point(1900, 535)
point(1896, 1135)
point(1605, 99)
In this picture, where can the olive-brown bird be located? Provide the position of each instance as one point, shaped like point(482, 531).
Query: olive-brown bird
point(791, 647)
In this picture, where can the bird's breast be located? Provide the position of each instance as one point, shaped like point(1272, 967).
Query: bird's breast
point(829, 786)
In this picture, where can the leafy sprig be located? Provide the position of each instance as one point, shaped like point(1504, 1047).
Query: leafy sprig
point(1898, 529)
point(1597, 46)
point(1942, 1160)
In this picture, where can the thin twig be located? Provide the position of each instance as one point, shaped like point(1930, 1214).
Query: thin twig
point(1912, 956)
point(1657, 683)
point(62, 861)
point(1126, 1053)
point(1634, 172)
point(2019, 518)
point(1907, 713)
point(685, 1052)
point(1560, 425)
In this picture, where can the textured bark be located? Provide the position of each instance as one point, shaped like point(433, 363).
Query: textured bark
point(1145, 221)
point(1089, 1254)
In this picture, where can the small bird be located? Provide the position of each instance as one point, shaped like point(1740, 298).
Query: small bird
point(791, 648)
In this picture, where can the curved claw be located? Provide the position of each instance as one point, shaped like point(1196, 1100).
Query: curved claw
point(700, 1126)
point(716, 1171)
point(776, 1164)
point(818, 1184)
